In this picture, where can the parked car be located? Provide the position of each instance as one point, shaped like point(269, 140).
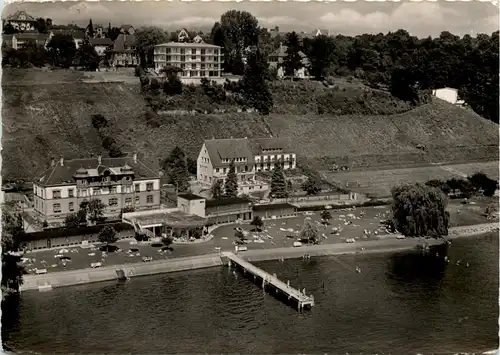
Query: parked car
point(297, 244)
point(147, 258)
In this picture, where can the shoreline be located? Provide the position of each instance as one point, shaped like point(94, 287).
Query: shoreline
point(109, 273)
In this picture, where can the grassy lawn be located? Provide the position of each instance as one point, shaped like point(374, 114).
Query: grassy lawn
point(380, 182)
point(224, 237)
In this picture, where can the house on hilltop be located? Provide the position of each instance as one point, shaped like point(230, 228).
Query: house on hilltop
point(116, 182)
point(22, 21)
point(276, 59)
point(127, 30)
point(101, 45)
point(123, 53)
point(249, 156)
point(19, 40)
point(449, 95)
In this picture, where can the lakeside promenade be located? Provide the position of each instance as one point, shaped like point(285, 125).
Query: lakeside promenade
point(388, 243)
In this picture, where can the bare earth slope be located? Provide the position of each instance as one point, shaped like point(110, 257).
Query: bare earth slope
point(449, 133)
point(44, 117)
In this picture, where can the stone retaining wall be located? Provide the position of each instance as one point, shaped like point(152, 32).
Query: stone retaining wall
point(108, 273)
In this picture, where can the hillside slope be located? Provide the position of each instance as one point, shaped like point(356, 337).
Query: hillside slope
point(449, 133)
point(46, 119)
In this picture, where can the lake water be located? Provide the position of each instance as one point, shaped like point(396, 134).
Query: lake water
point(399, 303)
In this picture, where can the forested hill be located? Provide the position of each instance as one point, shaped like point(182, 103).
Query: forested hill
point(46, 119)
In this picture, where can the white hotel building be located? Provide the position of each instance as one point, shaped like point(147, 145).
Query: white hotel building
point(249, 156)
point(197, 60)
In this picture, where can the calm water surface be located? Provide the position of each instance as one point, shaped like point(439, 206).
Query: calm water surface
point(400, 303)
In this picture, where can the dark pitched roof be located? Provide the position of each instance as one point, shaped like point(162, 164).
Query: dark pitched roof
point(76, 34)
point(60, 175)
point(17, 14)
point(273, 206)
point(190, 197)
point(227, 201)
point(126, 27)
point(281, 52)
point(219, 149)
point(258, 144)
point(101, 41)
point(124, 42)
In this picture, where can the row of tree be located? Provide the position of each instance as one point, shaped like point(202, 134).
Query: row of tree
point(60, 52)
point(478, 183)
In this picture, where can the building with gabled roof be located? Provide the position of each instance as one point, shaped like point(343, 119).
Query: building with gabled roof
point(101, 45)
point(277, 57)
point(127, 30)
point(124, 53)
point(249, 156)
point(22, 21)
point(18, 40)
point(117, 182)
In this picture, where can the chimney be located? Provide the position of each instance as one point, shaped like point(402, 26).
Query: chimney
point(61, 161)
point(135, 157)
point(52, 162)
point(99, 159)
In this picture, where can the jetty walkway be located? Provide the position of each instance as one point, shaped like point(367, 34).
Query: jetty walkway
point(302, 300)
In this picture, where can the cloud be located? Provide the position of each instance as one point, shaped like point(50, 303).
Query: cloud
point(194, 21)
point(418, 18)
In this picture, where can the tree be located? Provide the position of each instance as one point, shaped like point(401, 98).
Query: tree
point(404, 85)
point(231, 185)
point(289, 187)
point(217, 189)
point(326, 216)
point(482, 182)
point(311, 186)
point(254, 86)
point(257, 223)
point(93, 210)
point(239, 235)
point(236, 31)
point(90, 29)
point(173, 84)
point(167, 241)
point(88, 57)
point(292, 61)
point(107, 235)
point(62, 50)
point(310, 234)
point(12, 234)
point(41, 25)
point(113, 32)
point(321, 56)
point(74, 220)
point(278, 182)
point(420, 211)
point(8, 29)
point(145, 40)
point(176, 167)
point(126, 209)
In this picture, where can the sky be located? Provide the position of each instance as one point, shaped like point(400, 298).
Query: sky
point(349, 18)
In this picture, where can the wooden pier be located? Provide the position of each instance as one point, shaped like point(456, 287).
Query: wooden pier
point(281, 288)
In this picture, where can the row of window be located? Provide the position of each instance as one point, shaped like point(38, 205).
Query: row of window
point(113, 202)
point(188, 51)
point(225, 160)
point(56, 194)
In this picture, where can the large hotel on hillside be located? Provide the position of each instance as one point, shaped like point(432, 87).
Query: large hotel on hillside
point(117, 182)
point(196, 58)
